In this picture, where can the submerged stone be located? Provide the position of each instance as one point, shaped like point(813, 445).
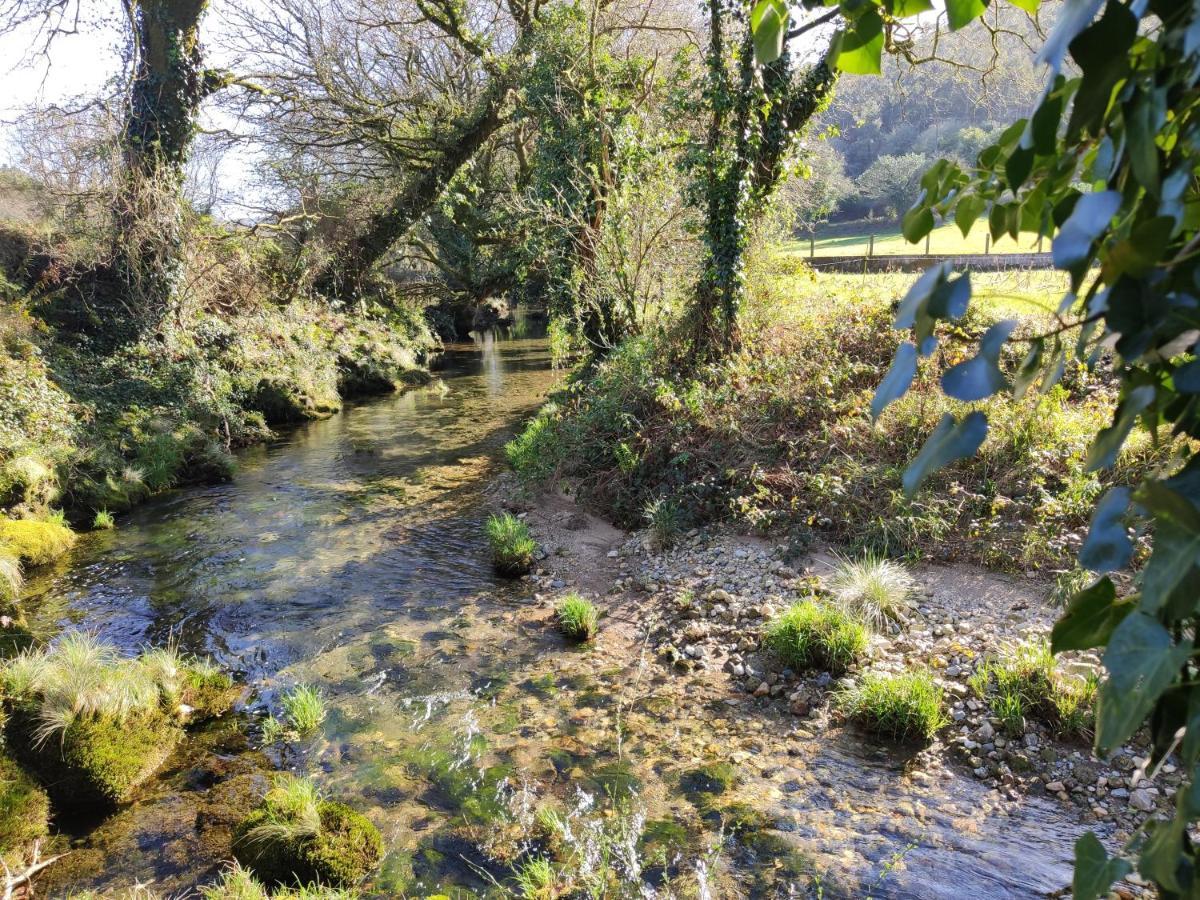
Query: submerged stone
point(208, 694)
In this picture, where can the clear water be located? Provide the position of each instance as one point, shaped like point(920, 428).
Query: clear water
point(350, 555)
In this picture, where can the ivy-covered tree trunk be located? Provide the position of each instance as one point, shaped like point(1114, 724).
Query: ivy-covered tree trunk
point(754, 117)
point(345, 273)
point(168, 85)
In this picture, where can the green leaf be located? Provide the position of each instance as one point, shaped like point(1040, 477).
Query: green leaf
point(1143, 118)
point(1101, 52)
point(1108, 547)
point(970, 207)
point(980, 376)
point(1088, 220)
point(898, 379)
point(1029, 369)
point(1142, 662)
point(917, 223)
point(949, 441)
point(1030, 6)
point(768, 23)
point(1095, 871)
point(1141, 251)
point(1018, 167)
point(1044, 124)
point(900, 9)
point(1090, 619)
point(1074, 16)
point(1108, 442)
point(963, 12)
point(860, 51)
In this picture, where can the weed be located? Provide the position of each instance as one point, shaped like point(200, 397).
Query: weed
point(536, 879)
point(237, 883)
point(1026, 682)
point(872, 589)
point(304, 709)
point(906, 707)
point(103, 520)
point(813, 636)
point(1067, 584)
point(665, 520)
point(272, 730)
point(512, 546)
point(577, 618)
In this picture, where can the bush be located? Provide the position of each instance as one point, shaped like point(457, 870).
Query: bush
point(296, 836)
point(577, 618)
point(812, 636)
point(1025, 683)
point(35, 542)
point(904, 707)
point(512, 546)
point(873, 590)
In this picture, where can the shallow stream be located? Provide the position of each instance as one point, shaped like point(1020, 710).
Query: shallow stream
point(350, 555)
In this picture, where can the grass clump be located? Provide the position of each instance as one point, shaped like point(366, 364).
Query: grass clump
point(577, 618)
point(12, 577)
point(810, 635)
point(1025, 682)
point(103, 520)
point(34, 541)
point(304, 709)
point(298, 837)
point(512, 546)
point(537, 879)
point(24, 812)
point(872, 589)
point(906, 707)
point(665, 520)
point(237, 883)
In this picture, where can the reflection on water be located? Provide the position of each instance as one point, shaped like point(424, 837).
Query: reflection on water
point(349, 554)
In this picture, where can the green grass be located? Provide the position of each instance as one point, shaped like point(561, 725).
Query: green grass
point(1025, 683)
point(536, 879)
point(945, 239)
point(872, 589)
point(12, 577)
point(303, 708)
point(512, 546)
point(291, 811)
point(103, 520)
point(665, 521)
point(906, 707)
point(810, 635)
point(577, 618)
point(238, 883)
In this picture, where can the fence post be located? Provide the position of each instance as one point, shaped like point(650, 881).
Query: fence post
point(1040, 239)
point(812, 247)
point(871, 247)
point(927, 237)
point(987, 244)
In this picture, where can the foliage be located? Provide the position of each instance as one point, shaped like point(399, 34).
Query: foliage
point(304, 708)
point(891, 183)
point(872, 589)
point(907, 707)
point(577, 617)
point(512, 546)
point(1025, 682)
point(665, 519)
point(810, 635)
point(237, 883)
point(103, 520)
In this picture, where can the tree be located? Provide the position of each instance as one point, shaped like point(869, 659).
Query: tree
point(1107, 165)
point(821, 185)
point(891, 183)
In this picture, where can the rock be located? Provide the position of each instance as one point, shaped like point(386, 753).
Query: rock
point(986, 733)
point(1142, 799)
point(1055, 787)
point(762, 690)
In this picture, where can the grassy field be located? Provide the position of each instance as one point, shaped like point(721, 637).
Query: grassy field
point(890, 242)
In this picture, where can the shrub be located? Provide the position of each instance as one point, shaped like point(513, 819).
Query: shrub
point(904, 707)
point(103, 520)
point(296, 836)
point(1025, 682)
point(304, 708)
point(812, 636)
point(512, 546)
point(577, 618)
point(34, 541)
point(872, 589)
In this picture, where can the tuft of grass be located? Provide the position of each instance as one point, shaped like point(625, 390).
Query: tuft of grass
point(291, 812)
point(103, 520)
point(1025, 682)
point(665, 520)
point(237, 883)
point(906, 707)
point(536, 879)
point(12, 577)
point(577, 618)
point(272, 730)
point(1067, 584)
point(810, 635)
point(533, 453)
point(512, 546)
point(872, 589)
point(304, 708)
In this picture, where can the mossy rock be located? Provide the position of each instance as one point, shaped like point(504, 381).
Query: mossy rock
point(95, 763)
point(35, 542)
point(24, 811)
point(209, 694)
point(281, 402)
point(345, 850)
point(714, 778)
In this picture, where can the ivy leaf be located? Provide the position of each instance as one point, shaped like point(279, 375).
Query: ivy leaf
point(1090, 619)
point(1108, 547)
point(1142, 662)
point(897, 381)
point(963, 12)
point(768, 23)
point(1095, 871)
point(949, 441)
point(980, 376)
point(1108, 442)
point(860, 50)
point(1088, 220)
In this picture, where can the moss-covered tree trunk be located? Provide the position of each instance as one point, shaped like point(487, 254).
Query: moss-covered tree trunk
point(167, 87)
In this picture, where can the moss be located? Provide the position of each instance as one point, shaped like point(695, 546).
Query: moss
point(95, 763)
point(24, 810)
point(714, 778)
point(36, 542)
point(209, 692)
point(345, 849)
point(283, 402)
